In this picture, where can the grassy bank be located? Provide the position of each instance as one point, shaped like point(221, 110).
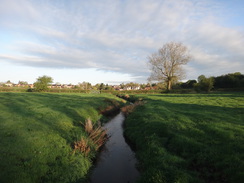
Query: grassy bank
point(189, 138)
point(37, 131)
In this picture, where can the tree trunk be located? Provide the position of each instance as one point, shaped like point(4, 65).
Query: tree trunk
point(169, 84)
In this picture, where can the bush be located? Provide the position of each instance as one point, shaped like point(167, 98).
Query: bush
point(204, 84)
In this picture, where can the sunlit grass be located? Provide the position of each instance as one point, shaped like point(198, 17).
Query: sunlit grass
point(37, 131)
point(190, 137)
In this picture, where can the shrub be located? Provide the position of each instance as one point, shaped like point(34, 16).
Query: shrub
point(204, 84)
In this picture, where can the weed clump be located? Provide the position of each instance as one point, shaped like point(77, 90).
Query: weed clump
point(96, 137)
point(82, 146)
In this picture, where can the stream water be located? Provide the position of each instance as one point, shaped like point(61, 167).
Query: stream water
point(116, 162)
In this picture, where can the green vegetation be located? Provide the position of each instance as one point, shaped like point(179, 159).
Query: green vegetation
point(189, 138)
point(42, 83)
point(178, 137)
point(227, 82)
point(204, 84)
point(38, 132)
point(231, 80)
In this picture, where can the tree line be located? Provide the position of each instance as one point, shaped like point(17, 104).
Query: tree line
point(202, 84)
point(227, 81)
point(231, 81)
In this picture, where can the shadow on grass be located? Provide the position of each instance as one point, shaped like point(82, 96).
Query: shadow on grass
point(36, 132)
point(217, 94)
point(63, 107)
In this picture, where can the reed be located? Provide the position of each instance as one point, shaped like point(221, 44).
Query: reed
point(88, 126)
point(82, 146)
point(96, 136)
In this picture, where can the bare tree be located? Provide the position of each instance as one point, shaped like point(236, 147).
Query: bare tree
point(166, 64)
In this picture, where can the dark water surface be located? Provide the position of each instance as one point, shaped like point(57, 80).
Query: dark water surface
point(116, 162)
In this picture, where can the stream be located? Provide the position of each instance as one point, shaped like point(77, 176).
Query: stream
point(116, 162)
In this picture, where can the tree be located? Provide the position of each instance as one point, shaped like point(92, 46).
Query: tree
point(166, 64)
point(101, 86)
point(189, 84)
point(231, 80)
point(42, 83)
point(23, 82)
point(204, 84)
point(132, 86)
point(122, 85)
point(85, 85)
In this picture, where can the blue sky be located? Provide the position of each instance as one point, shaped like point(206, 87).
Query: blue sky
point(109, 41)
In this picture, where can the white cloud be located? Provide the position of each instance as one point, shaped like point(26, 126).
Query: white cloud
point(118, 35)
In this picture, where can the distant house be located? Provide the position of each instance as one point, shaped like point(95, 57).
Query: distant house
point(56, 86)
point(136, 88)
point(132, 88)
point(20, 85)
point(116, 87)
point(31, 85)
point(127, 88)
point(68, 86)
point(17, 85)
point(147, 88)
point(9, 84)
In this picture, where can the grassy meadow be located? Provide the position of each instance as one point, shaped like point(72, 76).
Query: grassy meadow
point(37, 131)
point(189, 137)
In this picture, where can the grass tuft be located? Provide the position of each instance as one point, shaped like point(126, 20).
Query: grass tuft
point(88, 126)
point(96, 136)
point(82, 146)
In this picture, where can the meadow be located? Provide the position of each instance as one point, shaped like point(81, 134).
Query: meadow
point(38, 130)
point(189, 137)
point(177, 137)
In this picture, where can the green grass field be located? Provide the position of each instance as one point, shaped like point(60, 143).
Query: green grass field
point(189, 137)
point(36, 135)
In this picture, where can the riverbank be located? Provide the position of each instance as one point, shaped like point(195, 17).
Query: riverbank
point(189, 138)
point(37, 133)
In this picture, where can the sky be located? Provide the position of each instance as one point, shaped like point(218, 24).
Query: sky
point(109, 41)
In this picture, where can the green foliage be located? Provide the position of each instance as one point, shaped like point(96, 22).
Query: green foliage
point(37, 131)
point(189, 84)
point(204, 84)
point(227, 82)
point(232, 80)
point(189, 138)
point(23, 82)
point(84, 86)
point(42, 83)
point(13, 89)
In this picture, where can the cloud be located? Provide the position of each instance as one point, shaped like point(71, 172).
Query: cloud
point(118, 36)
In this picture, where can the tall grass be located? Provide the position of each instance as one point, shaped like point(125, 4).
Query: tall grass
point(96, 137)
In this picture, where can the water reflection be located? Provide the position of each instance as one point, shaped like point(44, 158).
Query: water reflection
point(116, 163)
